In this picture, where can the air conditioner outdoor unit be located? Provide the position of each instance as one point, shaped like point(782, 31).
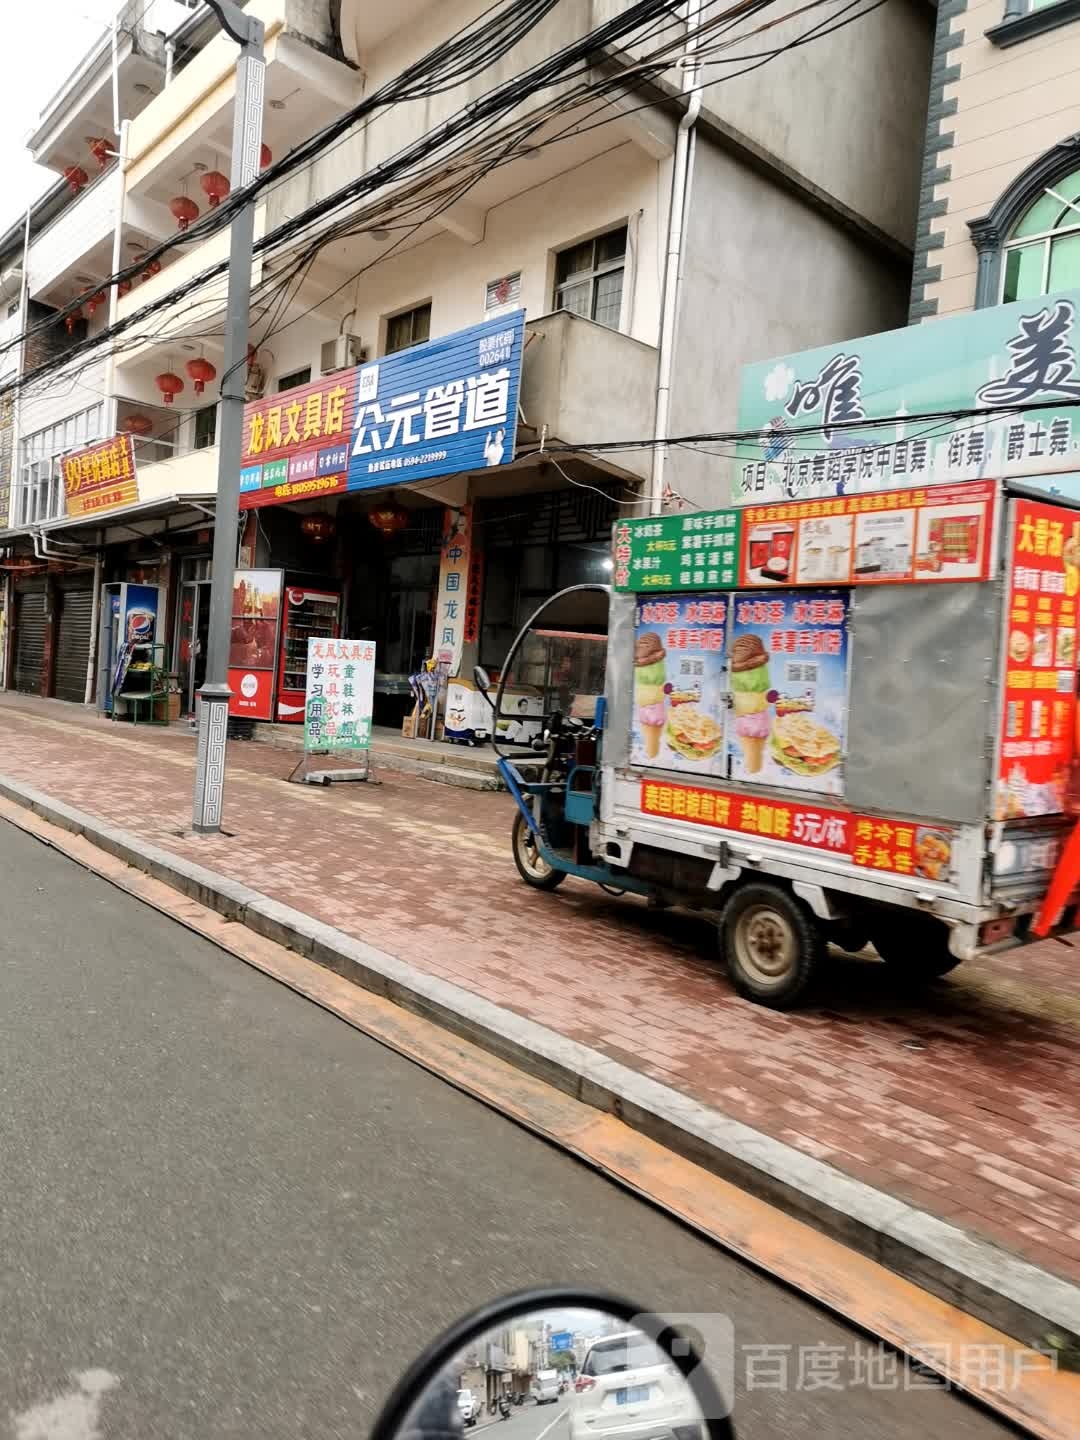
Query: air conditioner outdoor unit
point(341, 353)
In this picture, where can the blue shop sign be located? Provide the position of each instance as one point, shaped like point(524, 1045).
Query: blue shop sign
point(446, 406)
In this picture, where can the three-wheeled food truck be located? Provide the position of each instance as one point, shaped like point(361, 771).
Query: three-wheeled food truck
point(838, 721)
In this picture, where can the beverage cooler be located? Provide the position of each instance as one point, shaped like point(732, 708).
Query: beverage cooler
point(129, 614)
point(308, 615)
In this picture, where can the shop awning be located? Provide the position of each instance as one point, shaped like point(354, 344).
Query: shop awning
point(178, 512)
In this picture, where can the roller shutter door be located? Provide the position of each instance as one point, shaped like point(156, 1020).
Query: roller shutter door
point(73, 642)
point(29, 638)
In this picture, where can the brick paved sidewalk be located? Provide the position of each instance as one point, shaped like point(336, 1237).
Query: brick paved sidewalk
point(964, 1102)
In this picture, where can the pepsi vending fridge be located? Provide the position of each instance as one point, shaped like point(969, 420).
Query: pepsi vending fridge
point(128, 612)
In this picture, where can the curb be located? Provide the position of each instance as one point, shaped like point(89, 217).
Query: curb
point(1028, 1303)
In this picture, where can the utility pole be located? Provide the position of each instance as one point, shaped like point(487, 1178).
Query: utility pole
point(213, 700)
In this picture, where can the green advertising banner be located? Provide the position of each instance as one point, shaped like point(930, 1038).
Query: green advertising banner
point(1001, 360)
point(678, 552)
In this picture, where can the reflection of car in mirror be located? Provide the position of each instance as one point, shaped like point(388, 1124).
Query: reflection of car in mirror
point(545, 1388)
point(468, 1407)
point(627, 1390)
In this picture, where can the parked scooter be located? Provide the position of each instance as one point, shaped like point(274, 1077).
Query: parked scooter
point(504, 1407)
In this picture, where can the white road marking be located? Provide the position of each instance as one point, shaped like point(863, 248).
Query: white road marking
point(562, 1415)
point(71, 1415)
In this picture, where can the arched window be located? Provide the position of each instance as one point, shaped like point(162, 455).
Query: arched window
point(1042, 252)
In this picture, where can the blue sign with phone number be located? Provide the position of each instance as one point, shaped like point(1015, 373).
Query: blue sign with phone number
point(439, 408)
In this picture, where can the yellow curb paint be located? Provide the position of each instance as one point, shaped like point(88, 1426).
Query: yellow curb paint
point(1042, 1401)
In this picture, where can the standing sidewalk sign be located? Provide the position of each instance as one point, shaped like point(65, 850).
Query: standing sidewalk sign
point(338, 707)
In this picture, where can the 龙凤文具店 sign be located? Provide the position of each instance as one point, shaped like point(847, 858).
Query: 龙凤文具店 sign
point(677, 552)
point(447, 406)
point(841, 419)
point(340, 695)
point(100, 478)
point(896, 847)
point(1040, 660)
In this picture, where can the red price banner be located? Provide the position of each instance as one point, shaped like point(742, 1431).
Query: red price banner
point(1040, 660)
point(810, 825)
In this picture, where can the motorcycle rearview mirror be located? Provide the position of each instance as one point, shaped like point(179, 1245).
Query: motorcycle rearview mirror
point(483, 684)
point(605, 1364)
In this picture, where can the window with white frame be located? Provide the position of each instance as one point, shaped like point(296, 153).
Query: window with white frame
point(40, 489)
point(589, 278)
point(1042, 253)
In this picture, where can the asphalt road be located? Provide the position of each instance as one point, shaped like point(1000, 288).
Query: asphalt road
point(226, 1213)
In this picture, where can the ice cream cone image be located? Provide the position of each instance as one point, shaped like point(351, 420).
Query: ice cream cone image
point(750, 702)
point(753, 749)
point(750, 685)
point(650, 676)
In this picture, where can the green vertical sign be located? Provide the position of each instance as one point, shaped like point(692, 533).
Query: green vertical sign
point(678, 552)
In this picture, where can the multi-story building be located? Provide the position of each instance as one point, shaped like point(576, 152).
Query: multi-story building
point(999, 215)
point(655, 242)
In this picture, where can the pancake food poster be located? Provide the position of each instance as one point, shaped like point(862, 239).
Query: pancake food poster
point(789, 684)
point(680, 687)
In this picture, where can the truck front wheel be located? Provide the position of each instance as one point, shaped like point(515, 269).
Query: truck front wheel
point(772, 943)
point(531, 865)
point(915, 946)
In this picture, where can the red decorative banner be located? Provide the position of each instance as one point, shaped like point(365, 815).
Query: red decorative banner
point(1040, 660)
point(100, 478)
point(474, 596)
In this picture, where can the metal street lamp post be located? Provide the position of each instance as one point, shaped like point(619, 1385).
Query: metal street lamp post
point(213, 700)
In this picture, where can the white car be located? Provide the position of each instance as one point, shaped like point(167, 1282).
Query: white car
point(628, 1390)
point(467, 1404)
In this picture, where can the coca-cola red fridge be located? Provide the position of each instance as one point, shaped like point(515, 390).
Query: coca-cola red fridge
point(308, 614)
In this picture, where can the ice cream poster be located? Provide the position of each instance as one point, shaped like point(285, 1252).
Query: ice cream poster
point(680, 686)
point(789, 686)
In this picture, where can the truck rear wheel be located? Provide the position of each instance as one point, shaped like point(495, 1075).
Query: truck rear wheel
point(531, 865)
point(915, 946)
point(772, 944)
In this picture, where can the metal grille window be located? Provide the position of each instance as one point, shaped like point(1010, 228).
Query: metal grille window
point(206, 427)
point(298, 377)
point(40, 490)
point(1043, 252)
point(411, 327)
point(589, 278)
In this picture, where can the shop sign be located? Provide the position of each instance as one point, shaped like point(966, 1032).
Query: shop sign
point(474, 597)
point(932, 533)
point(1040, 660)
point(1001, 359)
point(680, 684)
point(101, 477)
point(677, 552)
point(788, 671)
point(451, 615)
point(896, 847)
point(253, 642)
point(808, 825)
point(446, 406)
point(340, 695)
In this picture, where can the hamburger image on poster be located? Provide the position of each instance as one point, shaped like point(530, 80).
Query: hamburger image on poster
point(788, 676)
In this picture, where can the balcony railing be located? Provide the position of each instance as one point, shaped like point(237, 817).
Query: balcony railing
point(85, 223)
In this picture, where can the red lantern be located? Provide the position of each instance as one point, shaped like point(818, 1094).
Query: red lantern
point(317, 527)
point(184, 210)
point(76, 178)
point(137, 424)
point(99, 148)
point(169, 384)
point(70, 321)
point(152, 269)
point(124, 288)
point(266, 156)
point(215, 186)
point(200, 371)
point(388, 517)
point(96, 302)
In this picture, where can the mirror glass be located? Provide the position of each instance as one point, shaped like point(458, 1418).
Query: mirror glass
point(558, 1375)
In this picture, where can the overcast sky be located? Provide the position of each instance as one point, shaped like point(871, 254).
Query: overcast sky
point(44, 40)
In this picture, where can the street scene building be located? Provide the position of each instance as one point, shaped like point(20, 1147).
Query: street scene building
point(611, 240)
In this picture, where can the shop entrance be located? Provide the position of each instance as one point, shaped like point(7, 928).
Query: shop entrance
point(192, 633)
